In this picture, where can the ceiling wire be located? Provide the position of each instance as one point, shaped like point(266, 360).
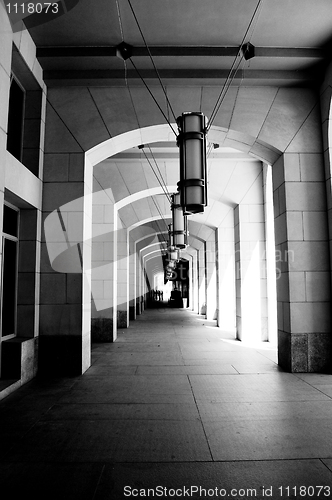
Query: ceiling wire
point(168, 104)
point(161, 175)
point(237, 93)
point(222, 95)
point(151, 58)
point(139, 74)
point(162, 182)
point(163, 186)
point(161, 233)
point(120, 20)
point(232, 73)
point(153, 97)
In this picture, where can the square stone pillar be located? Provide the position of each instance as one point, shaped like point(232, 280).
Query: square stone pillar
point(211, 278)
point(132, 281)
point(270, 256)
point(139, 282)
point(251, 310)
point(65, 281)
point(202, 288)
point(189, 254)
point(122, 261)
point(102, 275)
point(190, 277)
point(303, 265)
point(194, 281)
point(226, 274)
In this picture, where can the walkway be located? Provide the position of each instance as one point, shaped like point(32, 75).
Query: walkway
point(175, 404)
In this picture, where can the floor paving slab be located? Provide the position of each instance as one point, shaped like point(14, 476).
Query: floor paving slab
point(174, 401)
point(113, 441)
point(128, 411)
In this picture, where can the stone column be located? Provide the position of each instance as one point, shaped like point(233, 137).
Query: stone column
point(122, 261)
point(202, 289)
point(102, 275)
point(190, 278)
point(271, 276)
point(195, 281)
point(211, 278)
point(303, 266)
point(132, 281)
point(226, 277)
point(250, 261)
point(65, 294)
point(139, 280)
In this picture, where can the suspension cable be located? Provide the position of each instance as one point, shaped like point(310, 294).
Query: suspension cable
point(150, 55)
point(161, 175)
point(163, 186)
point(226, 84)
point(230, 77)
point(151, 94)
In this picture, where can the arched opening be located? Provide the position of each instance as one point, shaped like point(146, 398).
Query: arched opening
point(111, 161)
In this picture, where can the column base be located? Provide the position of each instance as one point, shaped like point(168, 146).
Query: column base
point(132, 313)
point(305, 352)
point(122, 319)
point(102, 330)
point(20, 359)
point(60, 356)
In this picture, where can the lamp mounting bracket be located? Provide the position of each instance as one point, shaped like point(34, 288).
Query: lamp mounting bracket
point(248, 51)
point(124, 50)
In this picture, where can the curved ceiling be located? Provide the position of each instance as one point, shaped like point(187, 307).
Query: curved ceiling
point(194, 44)
point(135, 178)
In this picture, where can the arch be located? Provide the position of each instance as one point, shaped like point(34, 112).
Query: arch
point(162, 133)
point(139, 195)
point(149, 219)
point(258, 150)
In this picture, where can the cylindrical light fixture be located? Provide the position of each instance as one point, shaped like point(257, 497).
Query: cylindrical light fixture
point(172, 252)
point(170, 273)
point(193, 178)
point(170, 236)
point(179, 225)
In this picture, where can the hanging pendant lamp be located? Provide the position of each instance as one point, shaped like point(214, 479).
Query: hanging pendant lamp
point(180, 234)
point(173, 253)
point(193, 179)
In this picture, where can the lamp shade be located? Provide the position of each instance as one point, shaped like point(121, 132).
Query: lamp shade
point(170, 236)
point(179, 225)
point(173, 254)
point(193, 178)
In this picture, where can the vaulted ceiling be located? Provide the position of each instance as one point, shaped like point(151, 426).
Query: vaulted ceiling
point(194, 44)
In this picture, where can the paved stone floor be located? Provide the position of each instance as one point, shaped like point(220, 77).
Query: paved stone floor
point(174, 409)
